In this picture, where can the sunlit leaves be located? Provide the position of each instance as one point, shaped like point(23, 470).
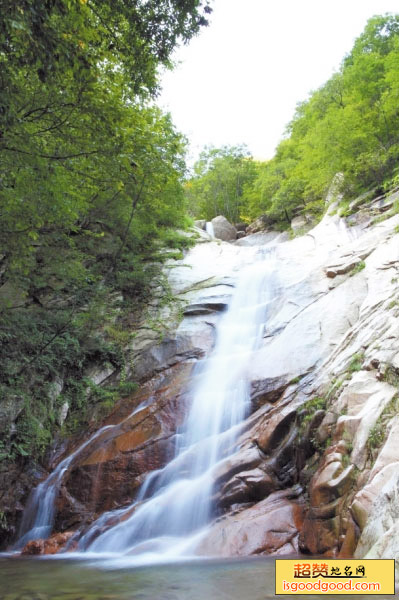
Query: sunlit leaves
point(350, 125)
point(90, 185)
point(221, 176)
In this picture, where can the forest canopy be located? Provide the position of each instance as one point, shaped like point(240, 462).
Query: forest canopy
point(91, 192)
point(350, 125)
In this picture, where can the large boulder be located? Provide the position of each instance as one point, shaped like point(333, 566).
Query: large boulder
point(223, 230)
point(262, 223)
point(302, 223)
point(200, 223)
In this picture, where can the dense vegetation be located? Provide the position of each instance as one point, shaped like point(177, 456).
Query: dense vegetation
point(350, 126)
point(90, 196)
point(221, 178)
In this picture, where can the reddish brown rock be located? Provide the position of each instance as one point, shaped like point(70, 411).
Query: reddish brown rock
point(245, 460)
point(247, 486)
point(53, 545)
point(108, 473)
point(324, 529)
point(350, 540)
point(319, 535)
point(275, 426)
point(34, 547)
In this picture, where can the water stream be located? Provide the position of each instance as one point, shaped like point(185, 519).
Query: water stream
point(169, 523)
point(209, 229)
point(39, 513)
point(174, 505)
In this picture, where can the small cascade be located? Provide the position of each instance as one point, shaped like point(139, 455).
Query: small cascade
point(209, 229)
point(174, 504)
point(38, 518)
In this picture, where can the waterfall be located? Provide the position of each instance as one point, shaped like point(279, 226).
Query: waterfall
point(209, 229)
point(38, 518)
point(174, 504)
point(39, 513)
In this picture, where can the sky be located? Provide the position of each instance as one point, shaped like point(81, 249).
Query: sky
point(239, 80)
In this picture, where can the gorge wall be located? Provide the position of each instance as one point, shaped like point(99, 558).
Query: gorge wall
point(317, 464)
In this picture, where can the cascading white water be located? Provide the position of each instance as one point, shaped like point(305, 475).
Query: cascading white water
point(174, 503)
point(209, 229)
point(40, 510)
point(39, 513)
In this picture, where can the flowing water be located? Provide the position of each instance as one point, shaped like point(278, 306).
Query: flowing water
point(209, 229)
point(38, 518)
point(174, 504)
point(39, 513)
point(174, 507)
point(170, 521)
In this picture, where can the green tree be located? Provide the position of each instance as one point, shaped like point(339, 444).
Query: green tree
point(91, 190)
point(349, 125)
point(220, 177)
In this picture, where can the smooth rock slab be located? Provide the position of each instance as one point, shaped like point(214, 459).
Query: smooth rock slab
point(365, 498)
point(379, 538)
point(364, 399)
point(269, 527)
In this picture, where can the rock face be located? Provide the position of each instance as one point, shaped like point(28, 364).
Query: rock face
point(380, 534)
point(269, 527)
point(301, 223)
point(262, 238)
point(316, 468)
point(223, 230)
point(201, 223)
point(138, 438)
point(262, 223)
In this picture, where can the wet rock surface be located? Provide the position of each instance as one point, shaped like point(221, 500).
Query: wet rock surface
point(269, 527)
point(52, 545)
point(109, 472)
point(317, 460)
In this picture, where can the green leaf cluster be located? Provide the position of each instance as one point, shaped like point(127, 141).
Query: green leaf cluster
point(350, 126)
point(91, 190)
point(221, 176)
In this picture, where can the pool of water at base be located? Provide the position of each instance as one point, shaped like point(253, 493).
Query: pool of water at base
point(71, 579)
